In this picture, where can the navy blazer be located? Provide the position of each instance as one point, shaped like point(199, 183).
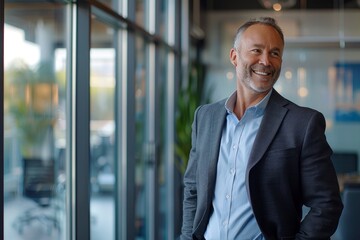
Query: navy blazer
point(289, 166)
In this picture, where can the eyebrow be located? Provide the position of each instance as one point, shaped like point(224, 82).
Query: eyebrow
point(262, 46)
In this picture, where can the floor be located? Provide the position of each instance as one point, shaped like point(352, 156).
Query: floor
point(102, 223)
point(13, 210)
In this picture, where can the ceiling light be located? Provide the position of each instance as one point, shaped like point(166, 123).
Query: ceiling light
point(277, 5)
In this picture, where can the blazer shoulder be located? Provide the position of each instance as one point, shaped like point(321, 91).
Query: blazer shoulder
point(293, 107)
point(211, 107)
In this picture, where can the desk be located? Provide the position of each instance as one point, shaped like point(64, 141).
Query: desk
point(347, 178)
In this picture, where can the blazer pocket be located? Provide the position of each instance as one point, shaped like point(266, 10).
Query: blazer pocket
point(288, 152)
point(279, 161)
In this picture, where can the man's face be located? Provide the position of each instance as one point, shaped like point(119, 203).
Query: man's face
point(258, 58)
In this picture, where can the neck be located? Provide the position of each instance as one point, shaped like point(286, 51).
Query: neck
point(244, 100)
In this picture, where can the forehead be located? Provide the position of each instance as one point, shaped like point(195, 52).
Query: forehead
point(261, 34)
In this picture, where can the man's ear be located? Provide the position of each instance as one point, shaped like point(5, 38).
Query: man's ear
point(233, 56)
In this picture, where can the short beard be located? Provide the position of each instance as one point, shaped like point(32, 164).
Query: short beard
point(249, 83)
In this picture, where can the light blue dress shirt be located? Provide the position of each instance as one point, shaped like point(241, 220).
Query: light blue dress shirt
point(233, 217)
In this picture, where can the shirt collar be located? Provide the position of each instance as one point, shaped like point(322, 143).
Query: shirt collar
point(259, 108)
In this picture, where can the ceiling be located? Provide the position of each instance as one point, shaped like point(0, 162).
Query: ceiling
point(227, 5)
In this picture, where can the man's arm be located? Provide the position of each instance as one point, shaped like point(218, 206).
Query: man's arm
point(319, 184)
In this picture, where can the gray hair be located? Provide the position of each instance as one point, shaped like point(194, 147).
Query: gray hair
point(262, 20)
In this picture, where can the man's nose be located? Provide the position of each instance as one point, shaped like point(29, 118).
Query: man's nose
point(264, 59)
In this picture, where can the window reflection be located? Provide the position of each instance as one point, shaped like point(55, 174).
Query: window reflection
point(34, 122)
point(140, 12)
point(162, 174)
point(102, 128)
point(163, 16)
point(38, 91)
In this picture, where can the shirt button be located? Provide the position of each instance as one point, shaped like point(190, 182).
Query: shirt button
point(234, 147)
point(224, 223)
point(227, 196)
point(232, 170)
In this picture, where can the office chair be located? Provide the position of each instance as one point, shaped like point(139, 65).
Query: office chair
point(38, 185)
point(348, 228)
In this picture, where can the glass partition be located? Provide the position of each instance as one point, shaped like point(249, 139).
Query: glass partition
point(141, 12)
point(102, 128)
point(35, 56)
point(88, 129)
point(163, 16)
point(163, 144)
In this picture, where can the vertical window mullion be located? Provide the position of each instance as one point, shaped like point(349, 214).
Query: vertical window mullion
point(150, 146)
point(2, 22)
point(170, 119)
point(80, 124)
point(128, 172)
point(150, 141)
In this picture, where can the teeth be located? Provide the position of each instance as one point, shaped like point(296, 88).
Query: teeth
point(262, 73)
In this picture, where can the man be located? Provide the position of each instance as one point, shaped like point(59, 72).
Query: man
point(257, 158)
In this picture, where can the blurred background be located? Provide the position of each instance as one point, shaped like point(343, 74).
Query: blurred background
point(99, 95)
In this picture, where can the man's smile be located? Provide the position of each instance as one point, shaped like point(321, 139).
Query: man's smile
point(262, 73)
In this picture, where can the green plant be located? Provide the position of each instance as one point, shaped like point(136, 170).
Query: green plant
point(30, 99)
point(190, 96)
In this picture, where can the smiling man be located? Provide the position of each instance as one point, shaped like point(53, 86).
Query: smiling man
point(257, 158)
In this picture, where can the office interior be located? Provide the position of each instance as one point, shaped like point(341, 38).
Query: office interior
point(98, 97)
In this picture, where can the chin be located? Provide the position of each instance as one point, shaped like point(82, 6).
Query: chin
point(261, 89)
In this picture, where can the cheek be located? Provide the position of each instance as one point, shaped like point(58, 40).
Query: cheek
point(241, 70)
point(277, 64)
point(245, 64)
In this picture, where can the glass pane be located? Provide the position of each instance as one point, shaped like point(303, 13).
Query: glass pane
point(140, 124)
point(108, 3)
point(140, 12)
point(114, 4)
point(34, 121)
point(102, 89)
point(162, 173)
point(163, 21)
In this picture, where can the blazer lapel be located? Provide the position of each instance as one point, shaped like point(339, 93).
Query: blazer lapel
point(273, 116)
point(216, 122)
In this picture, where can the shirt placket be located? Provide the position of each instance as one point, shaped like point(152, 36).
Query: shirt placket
point(235, 140)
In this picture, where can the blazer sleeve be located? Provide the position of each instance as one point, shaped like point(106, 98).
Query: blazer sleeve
point(319, 183)
point(190, 189)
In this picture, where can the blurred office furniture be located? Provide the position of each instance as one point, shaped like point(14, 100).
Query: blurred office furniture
point(346, 167)
point(344, 180)
point(38, 186)
point(345, 162)
point(349, 228)
point(102, 163)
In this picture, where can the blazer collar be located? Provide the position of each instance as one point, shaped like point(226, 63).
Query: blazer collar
point(274, 113)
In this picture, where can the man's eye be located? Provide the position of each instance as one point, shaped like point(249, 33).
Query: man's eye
point(256, 51)
point(276, 54)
